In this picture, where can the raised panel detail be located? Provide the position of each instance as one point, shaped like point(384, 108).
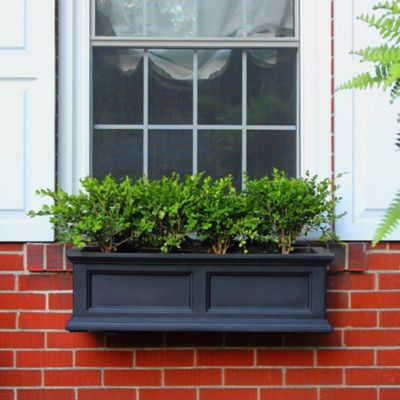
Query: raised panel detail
point(258, 291)
point(139, 291)
point(12, 23)
point(12, 117)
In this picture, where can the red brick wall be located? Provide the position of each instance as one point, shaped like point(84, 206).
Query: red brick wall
point(39, 360)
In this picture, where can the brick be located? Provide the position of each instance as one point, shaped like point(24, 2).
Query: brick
point(337, 300)
point(228, 394)
point(76, 340)
point(254, 339)
point(106, 394)
point(7, 282)
point(34, 257)
point(16, 378)
point(6, 359)
point(375, 300)
point(225, 357)
point(165, 358)
point(389, 394)
point(166, 394)
point(349, 281)
point(314, 340)
point(44, 359)
point(11, 262)
point(21, 340)
point(104, 358)
point(45, 281)
point(339, 262)
point(193, 339)
point(389, 281)
point(11, 247)
point(357, 257)
point(388, 357)
point(123, 377)
point(355, 319)
point(348, 394)
point(345, 357)
point(383, 261)
point(81, 377)
point(43, 320)
point(6, 394)
point(373, 376)
point(192, 377)
point(285, 357)
point(25, 301)
point(288, 394)
point(393, 245)
point(378, 246)
point(372, 337)
point(60, 301)
point(314, 376)
point(134, 339)
point(8, 320)
point(54, 257)
point(249, 377)
point(389, 319)
point(46, 394)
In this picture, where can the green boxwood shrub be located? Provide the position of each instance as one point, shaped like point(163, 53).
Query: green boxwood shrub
point(197, 212)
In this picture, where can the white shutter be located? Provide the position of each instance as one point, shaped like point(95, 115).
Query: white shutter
point(365, 131)
point(27, 115)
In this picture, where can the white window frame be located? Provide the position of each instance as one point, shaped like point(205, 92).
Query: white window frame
point(74, 90)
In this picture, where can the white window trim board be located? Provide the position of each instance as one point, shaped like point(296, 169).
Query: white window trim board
point(74, 90)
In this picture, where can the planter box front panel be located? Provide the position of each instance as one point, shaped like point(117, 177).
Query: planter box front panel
point(199, 293)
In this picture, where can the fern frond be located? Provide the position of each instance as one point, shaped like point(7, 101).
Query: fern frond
point(384, 54)
point(390, 221)
point(363, 81)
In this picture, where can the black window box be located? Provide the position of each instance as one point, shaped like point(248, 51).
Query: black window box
point(200, 292)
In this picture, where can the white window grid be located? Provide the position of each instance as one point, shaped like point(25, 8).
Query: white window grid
point(198, 43)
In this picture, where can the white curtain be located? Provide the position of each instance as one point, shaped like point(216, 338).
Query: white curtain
point(194, 18)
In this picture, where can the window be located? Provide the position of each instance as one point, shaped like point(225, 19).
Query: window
point(194, 85)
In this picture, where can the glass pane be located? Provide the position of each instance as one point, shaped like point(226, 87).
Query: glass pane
point(271, 87)
point(170, 86)
point(117, 86)
point(119, 18)
point(271, 149)
point(170, 18)
point(117, 152)
point(220, 154)
point(170, 151)
point(220, 87)
point(222, 18)
point(270, 18)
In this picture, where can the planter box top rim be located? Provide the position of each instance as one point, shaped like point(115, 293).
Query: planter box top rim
point(317, 253)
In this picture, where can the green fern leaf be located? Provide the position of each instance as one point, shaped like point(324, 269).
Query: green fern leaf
point(390, 221)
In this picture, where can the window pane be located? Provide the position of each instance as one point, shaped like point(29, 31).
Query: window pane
point(170, 151)
point(117, 86)
point(222, 18)
point(170, 18)
point(190, 18)
point(220, 154)
point(271, 87)
point(119, 18)
point(117, 152)
point(267, 150)
point(270, 18)
point(170, 86)
point(220, 87)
